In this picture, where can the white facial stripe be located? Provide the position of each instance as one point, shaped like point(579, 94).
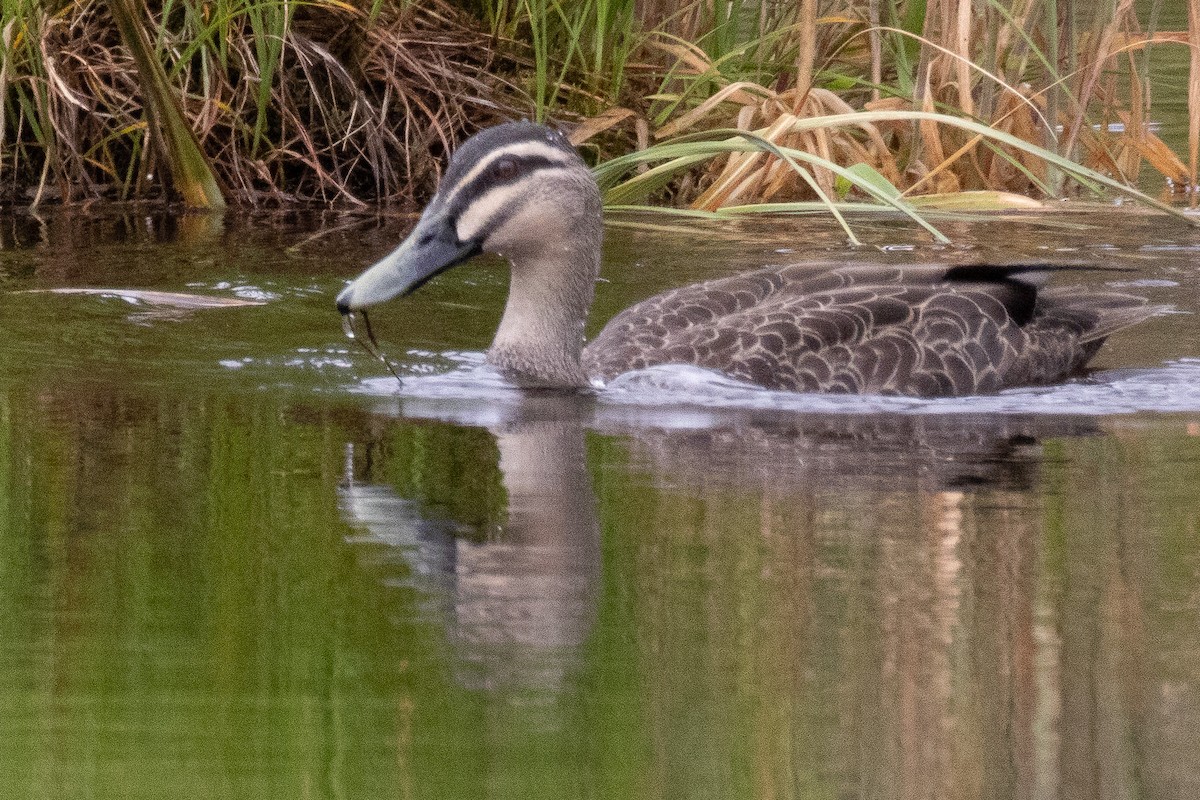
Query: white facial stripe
point(516, 150)
point(485, 207)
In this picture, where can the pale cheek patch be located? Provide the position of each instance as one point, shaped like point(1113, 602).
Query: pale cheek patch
point(477, 216)
point(528, 234)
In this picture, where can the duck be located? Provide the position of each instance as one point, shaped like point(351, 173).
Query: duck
point(520, 190)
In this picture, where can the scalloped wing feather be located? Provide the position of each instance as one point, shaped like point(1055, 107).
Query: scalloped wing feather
point(885, 330)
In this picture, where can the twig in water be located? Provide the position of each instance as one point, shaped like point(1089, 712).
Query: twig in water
point(368, 342)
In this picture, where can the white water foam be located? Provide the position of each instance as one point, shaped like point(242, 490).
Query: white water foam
point(1171, 387)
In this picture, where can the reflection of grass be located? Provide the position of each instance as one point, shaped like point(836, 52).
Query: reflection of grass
point(357, 99)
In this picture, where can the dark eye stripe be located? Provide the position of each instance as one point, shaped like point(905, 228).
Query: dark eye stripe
point(489, 180)
point(522, 166)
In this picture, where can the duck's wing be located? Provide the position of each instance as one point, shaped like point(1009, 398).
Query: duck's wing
point(930, 330)
point(1068, 328)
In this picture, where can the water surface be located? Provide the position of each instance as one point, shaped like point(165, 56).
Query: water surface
point(237, 560)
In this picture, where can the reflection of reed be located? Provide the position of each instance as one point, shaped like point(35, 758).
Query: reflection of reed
point(918, 595)
point(931, 611)
point(998, 684)
point(877, 638)
point(791, 619)
point(1130, 684)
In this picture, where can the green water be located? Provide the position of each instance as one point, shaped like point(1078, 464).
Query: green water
point(226, 570)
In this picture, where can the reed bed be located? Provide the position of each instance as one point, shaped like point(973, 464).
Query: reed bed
point(712, 106)
point(322, 100)
point(1062, 94)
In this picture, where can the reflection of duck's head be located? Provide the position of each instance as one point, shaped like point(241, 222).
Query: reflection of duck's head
point(515, 594)
point(521, 191)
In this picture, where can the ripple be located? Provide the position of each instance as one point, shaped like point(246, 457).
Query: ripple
point(242, 291)
point(686, 390)
point(1171, 387)
point(1144, 283)
point(304, 358)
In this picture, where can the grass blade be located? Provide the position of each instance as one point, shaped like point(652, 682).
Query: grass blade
point(192, 175)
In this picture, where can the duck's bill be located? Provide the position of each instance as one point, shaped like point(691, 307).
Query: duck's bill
point(431, 248)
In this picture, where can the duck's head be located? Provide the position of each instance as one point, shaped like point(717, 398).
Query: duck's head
point(519, 190)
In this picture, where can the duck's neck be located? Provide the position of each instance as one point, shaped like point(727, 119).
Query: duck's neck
point(540, 337)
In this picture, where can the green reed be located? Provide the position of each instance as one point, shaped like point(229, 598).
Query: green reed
point(318, 99)
point(25, 91)
point(578, 51)
point(350, 100)
point(188, 166)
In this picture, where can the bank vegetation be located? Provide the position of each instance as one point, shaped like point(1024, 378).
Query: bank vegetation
point(706, 105)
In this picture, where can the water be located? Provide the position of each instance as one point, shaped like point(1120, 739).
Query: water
point(237, 560)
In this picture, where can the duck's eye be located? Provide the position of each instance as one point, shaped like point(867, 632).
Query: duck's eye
point(505, 169)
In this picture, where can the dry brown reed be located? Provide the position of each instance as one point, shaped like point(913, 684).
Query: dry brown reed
point(1085, 97)
point(354, 102)
point(358, 100)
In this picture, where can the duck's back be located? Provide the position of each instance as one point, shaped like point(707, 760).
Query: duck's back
point(928, 331)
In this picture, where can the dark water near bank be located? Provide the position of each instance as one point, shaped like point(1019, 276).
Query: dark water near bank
point(236, 562)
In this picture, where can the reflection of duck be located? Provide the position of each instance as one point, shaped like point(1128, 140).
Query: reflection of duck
point(521, 190)
point(852, 453)
point(518, 606)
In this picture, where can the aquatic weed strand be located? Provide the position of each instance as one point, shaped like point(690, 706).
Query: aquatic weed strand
point(368, 343)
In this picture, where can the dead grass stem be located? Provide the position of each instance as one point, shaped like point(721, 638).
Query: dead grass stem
point(356, 101)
